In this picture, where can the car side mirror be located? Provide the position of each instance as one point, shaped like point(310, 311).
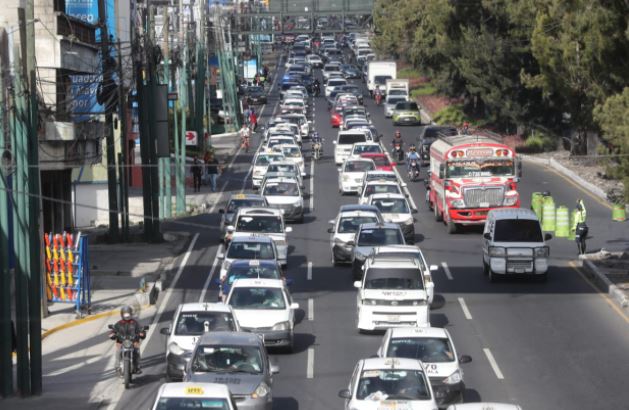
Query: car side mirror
point(345, 394)
point(414, 211)
point(165, 331)
point(442, 171)
point(334, 142)
point(294, 306)
point(220, 255)
point(288, 229)
point(330, 230)
point(487, 236)
point(357, 284)
point(230, 228)
point(548, 237)
point(434, 268)
point(465, 359)
point(350, 243)
point(275, 368)
point(145, 328)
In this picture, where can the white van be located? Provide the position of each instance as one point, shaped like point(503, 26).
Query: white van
point(344, 143)
point(514, 244)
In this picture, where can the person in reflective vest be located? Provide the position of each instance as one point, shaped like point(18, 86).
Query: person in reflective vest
point(579, 227)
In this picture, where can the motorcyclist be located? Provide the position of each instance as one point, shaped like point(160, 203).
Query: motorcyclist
point(316, 142)
point(398, 145)
point(377, 94)
point(412, 156)
point(245, 137)
point(316, 87)
point(128, 327)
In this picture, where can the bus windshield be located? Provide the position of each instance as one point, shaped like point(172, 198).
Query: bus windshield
point(480, 168)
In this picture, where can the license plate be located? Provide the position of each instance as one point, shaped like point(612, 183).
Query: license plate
point(393, 318)
point(484, 205)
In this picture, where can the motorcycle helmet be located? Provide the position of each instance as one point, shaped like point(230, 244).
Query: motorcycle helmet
point(413, 147)
point(126, 312)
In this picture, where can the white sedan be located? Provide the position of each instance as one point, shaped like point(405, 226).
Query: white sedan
point(352, 174)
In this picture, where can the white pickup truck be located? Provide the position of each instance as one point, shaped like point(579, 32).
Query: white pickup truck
point(397, 87)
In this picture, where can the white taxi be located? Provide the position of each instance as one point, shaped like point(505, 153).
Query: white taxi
point(352, 174)
point(260, 164)
point(190, 395)
point(391, 383)
point(395, 209)
point(265, 306)
point(293, 153)
point(391, 293)
point(435, 348)
point(374, 187)
point(285, 194)
point(191, 320)
point(366, 148)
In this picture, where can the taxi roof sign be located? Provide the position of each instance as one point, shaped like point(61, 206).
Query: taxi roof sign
point(195, 390)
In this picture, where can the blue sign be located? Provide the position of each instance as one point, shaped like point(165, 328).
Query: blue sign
point(87, 11)
point(83, 90)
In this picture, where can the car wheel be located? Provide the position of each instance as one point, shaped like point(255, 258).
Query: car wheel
point(291, 344)
point(485, 268)
point(491, 276)
point(355, 271)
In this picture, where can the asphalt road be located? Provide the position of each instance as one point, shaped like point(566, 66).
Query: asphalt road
point(553, 345)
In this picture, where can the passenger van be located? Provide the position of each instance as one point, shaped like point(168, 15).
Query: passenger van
point(345, 141)
point(514, 244)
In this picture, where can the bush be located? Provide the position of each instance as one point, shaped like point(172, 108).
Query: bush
point(425, 89)
point(409, 73)
point(451, 115)
point(538, 142)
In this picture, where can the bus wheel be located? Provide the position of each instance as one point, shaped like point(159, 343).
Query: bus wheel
point(435, 208)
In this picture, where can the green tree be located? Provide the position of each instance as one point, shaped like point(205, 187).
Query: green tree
point(612, 117)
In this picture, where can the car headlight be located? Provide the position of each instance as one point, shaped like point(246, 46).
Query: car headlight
point(345, 178)
point(542, 252)
point(281, 243)
point(454, 378)
point(457, 203)
point(261, 391)
point(281, 326)
point(510, 200)
point(175, 349)
point(498, 251)
point(370, 302)
point(409, 221)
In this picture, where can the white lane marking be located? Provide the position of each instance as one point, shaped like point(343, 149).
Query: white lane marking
point(311, 309)
point(169, 293)
point(210, 275)
point(466, 311)
point(446, 269)
point(73, 367)
point(309, 270)
point(493, 363)
point(311, 185)
point(310, 364)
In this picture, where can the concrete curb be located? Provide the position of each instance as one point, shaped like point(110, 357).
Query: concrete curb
point(599, 278)
point(567, 173)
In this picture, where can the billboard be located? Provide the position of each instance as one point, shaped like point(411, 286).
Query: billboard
point(83, 90)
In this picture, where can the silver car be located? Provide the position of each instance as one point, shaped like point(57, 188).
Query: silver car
point(369, 236)
point(238, 360)
point(390, 103)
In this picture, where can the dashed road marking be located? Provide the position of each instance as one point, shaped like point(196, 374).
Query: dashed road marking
point(446, 269)
point(310, 364)
point(210, 275)
point(309, 271)
point(311, 309)
point(466, 311)
point(493, 363)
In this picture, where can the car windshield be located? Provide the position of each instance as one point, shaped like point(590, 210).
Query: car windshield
point(350, 139)
point(234, 204)
point(358, 166)
point(250, 250)
point(391, 205)
point(281, 168)
point(292, 152)
point(426, 349)
point(381, 189)
point(281, 189)
point(393, 100)
point(479, 168)
point(257, 298)
point(188, 403)
point(268, 271)
point(380, 161)
point(367, 149)
point(255, 90)
point(227, 359)
point(380, 236)
point(394, 283)
point(264, 224)
point(386, 177)
point(406, 106)
point(392, 384)
point(381, 79)
point(194, 323)
point(396, 91)
point(350, 224)
point(517, 230)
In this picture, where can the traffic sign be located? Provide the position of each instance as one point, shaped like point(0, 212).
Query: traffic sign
point(191, 138)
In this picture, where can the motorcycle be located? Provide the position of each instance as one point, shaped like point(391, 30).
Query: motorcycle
point(413, 170)
point(316, 90)
point(126, 352)
point(397, 149)
point(316, 150)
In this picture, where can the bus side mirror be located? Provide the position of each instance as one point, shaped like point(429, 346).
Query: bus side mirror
point(442, 171)
point(519, 171)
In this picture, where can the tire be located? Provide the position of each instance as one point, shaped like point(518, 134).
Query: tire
point(491, 276)
point(126, 372)
point(485, 268)
point(452, 227)
point(438, 216)
point(291, 345)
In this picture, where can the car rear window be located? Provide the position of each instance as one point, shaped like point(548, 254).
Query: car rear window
point(406, 106)
point(517, 230)
point(348, 139)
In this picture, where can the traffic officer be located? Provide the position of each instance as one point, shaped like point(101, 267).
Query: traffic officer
point(579, 227)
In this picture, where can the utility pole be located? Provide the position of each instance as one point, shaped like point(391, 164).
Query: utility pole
point(124, 147)
point(109, 136)
point(167, 202)
point(6, 336)
point(35, 255)
point(183, 106)
point(199, 80)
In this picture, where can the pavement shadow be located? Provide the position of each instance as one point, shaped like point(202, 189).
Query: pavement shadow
point(471, 395)
point(438, 320)
point(285, 403)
